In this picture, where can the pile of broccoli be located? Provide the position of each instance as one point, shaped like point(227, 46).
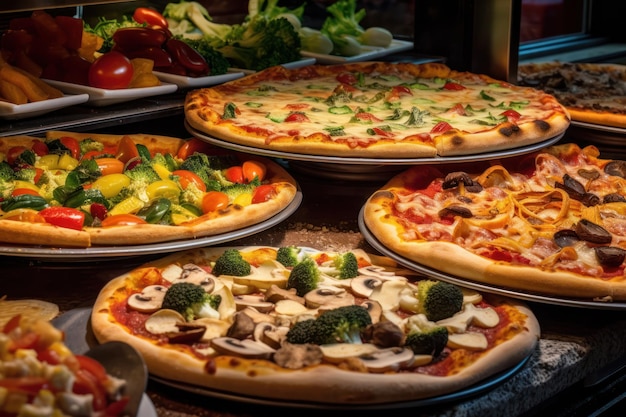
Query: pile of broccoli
point(191, 300)
point(340, 325)
point(260, 41)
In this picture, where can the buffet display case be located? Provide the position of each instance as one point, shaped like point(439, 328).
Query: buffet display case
point(579, 365)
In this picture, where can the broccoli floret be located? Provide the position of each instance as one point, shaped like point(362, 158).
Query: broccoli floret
point(262, 43)
point(89, 144)
point(166, 160)
point(304, 277)
point(289, 256)
point(341, 325)
point(217, 62)
point(196, 14)
point(231, 263)
point(7, 176)
point(271, 10)
point(208, 169)
point(26, 174)
point(143, 173)
point(428, 342)
point(302, 332)
point(343, 27)
point(191, 300)
point(438, 299)
point(192, 195)
point(50, 181)
point(347, 265)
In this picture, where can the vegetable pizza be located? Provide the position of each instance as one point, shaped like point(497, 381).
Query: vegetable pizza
point(298, 324)
point(376, 110)
point(81, 189)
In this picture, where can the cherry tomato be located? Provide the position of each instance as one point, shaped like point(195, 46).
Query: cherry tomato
point(67, 217)
point(98, 210)
point(234, 174)
point(72, 145)
point(262, 193)
point(347, 78)
point(194, 145)
point(39, 147)
point(441, 127)
point(110, 166)
point(150, 17)
point(453, 86)
point(111, 70)
point(126, 150)
point(297, 117)
point(213, 201)
point(125, 219)
point(186, 177)
point(14, 153)
point(252, 169)
point(511, 114)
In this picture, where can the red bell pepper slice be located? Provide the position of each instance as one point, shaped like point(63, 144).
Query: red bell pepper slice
point(67, 217)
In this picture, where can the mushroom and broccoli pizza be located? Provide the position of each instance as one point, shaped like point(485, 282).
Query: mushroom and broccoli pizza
point(82, 189)
point(552, 222)
point(375, 110)
point(298, 324)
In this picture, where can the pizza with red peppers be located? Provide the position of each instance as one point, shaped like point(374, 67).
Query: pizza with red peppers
point(375, 110)
point(81, 189)
point(552, 222)
point(297, 324)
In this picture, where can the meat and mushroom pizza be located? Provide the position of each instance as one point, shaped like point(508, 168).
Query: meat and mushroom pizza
point(81, 189)
point(297, 324)
point(375, 110)
point(592, 93)
point(552, 222)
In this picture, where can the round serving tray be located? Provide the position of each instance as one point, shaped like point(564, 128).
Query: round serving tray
point(367, 162)
point(522, 295)
point(99, 252)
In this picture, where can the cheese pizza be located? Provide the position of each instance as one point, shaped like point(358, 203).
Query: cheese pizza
point(318, 327)
point(376, 110)
point(81, 189)
point(552, 222)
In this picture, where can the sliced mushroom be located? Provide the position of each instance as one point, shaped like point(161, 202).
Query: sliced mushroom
point(242, 327)
point(292, 356)
point(374, 309)
point(591, 232)
point(256, 315)
point(265, 275)
point(384, 334)
point(589, 174)
point(611, 256)
point(363, 285)
point(468, 340)
point(213, 328)
point(454, 179)
point(391, 359)
point(198, 275)
point(483, 317)
point(246, 348)
point(408, 300)
point(256, 301)
point(328, 297)
point(163, 321)
point(148, 300)
point(471, 296)
point(388, 294)
point(271, 335)
point(172, 272)
point(275, 293)
point(187, 333)
point(339, 352)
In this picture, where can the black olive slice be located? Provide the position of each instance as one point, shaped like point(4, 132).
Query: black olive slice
point(566, 237)
point(590, 200)
point(592, 232)
point(614, 198)
point(574, 188)
point(617, 168)
point(455, 211)
point(610, 255)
